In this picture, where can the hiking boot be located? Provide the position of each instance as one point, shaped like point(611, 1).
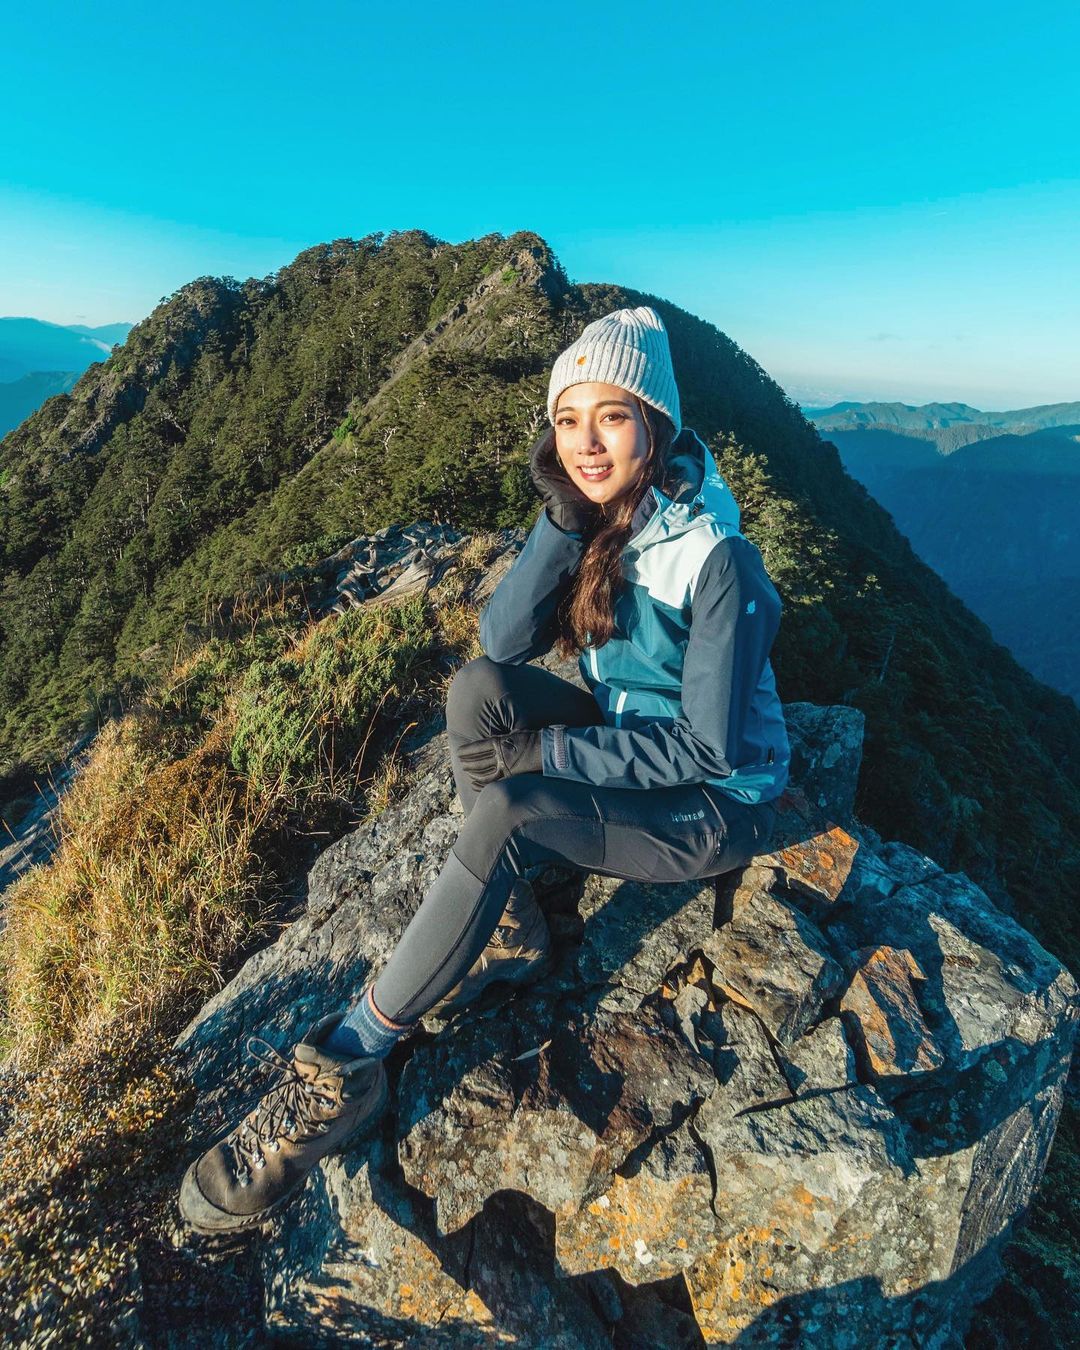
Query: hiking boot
point(517, 953)
point(321, 1101)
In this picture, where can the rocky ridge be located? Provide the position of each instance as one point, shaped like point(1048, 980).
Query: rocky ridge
point(802, 1104)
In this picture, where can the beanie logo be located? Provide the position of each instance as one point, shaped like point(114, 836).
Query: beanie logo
point(581, 360)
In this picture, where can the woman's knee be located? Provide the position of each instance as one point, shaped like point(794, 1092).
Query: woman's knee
point(489, 826)
point(502, 807)
point(472, 685)
point(505, 802)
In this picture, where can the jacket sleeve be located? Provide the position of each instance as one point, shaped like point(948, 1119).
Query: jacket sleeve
point(735, 615)
point(518, 622)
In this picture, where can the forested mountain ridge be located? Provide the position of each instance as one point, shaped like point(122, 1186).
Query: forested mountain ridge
point(933, 417)
point(245, 428)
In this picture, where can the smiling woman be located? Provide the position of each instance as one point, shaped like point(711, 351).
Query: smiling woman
point(607, 456)
point(663, 768)
point(602, 439)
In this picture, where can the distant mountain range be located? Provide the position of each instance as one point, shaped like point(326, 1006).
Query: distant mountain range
point(111, 333)
point(988, 500)
point(38, 359)
point(19, 398)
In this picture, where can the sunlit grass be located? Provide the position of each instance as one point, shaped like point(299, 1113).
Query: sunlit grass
point(168, 834)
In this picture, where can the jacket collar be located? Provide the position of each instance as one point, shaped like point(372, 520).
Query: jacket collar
point(693, 480)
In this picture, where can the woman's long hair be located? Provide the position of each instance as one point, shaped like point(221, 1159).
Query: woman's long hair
point(587, 613)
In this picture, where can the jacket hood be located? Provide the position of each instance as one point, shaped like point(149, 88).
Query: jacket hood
point(693, 486)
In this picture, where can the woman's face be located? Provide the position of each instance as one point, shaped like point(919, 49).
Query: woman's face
point(600, 427)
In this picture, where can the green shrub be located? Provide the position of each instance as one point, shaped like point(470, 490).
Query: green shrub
point(303, 716)
point(304, 555)
point(345, 428)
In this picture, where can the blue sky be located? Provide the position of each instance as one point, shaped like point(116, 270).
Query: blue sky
point(873, 200)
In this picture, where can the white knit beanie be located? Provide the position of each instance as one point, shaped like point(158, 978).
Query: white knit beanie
point(628, 347)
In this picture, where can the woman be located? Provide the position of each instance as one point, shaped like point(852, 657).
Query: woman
point(667, 770)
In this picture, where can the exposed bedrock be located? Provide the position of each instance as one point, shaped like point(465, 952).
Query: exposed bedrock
point(800, 1105)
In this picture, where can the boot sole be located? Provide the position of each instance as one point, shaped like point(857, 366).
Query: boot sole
point(259, 1222)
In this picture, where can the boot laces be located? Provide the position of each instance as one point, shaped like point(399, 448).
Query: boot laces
point(285, 1111)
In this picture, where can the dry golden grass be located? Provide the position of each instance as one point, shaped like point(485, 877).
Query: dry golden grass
point(152, 884)
point(385, 787)
point(456, 612)
point(477, 549)
point(458, 629)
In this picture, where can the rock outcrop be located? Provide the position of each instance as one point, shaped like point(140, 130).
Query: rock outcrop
point(801, 1104)
point(34, 838)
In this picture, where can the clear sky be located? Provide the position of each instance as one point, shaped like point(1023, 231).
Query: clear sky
point(874, 200)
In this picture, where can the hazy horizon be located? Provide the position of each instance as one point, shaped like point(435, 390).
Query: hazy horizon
point(808, 390)
point(877, 228)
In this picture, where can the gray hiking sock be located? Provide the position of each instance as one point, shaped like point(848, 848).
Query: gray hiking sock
point(365, 1031)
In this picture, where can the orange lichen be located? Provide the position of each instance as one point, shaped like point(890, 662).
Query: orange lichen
point(724, 1298)
point(823, 862)
point(637, 1210)
point(803, 1196)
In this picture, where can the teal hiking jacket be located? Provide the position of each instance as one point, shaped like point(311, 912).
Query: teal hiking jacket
point(685, 685)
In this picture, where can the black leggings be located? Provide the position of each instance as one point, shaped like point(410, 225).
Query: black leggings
point(515, 824)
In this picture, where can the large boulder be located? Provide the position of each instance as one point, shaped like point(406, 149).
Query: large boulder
point(800, 1104)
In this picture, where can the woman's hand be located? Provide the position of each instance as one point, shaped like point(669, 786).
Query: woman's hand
point(500, 756)
point(566, 504)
